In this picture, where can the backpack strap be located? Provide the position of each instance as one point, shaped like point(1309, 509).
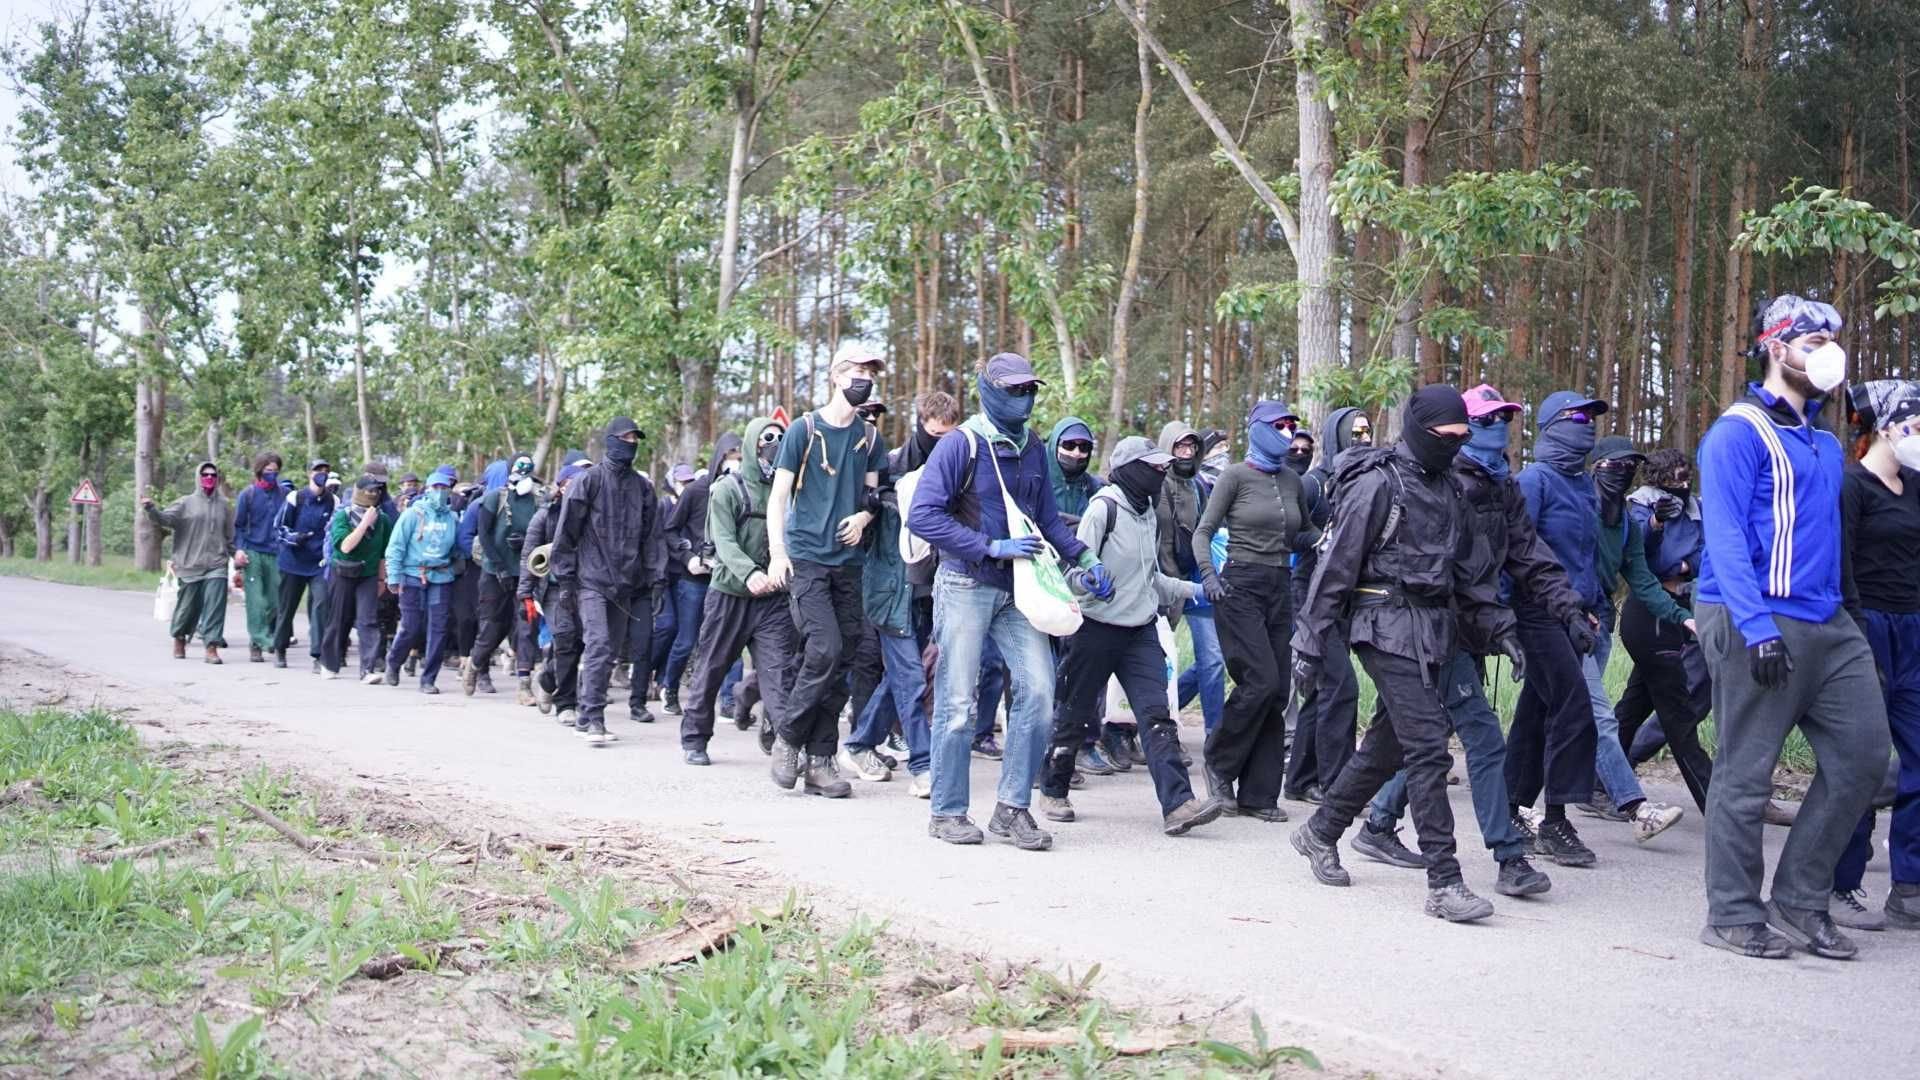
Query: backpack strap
point(1113, 518)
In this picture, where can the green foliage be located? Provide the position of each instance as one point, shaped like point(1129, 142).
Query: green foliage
point(1813, 219)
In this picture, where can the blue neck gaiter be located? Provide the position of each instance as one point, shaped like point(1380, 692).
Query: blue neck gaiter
point(1488, 447)
point(1564, 445)
point(1008, 412)
point(1267, 447)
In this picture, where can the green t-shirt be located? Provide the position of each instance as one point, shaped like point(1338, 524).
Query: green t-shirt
point(830, 466)
point(366, 555)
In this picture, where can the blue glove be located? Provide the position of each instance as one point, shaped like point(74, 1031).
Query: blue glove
point(1017, 547)
point(1099, 582)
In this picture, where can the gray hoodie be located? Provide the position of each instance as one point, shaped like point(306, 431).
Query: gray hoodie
point(1179, 506)
point(1130, 552)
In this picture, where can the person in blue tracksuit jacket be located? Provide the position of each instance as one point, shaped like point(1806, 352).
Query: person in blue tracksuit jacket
point(1778, 644)
point(420, 559)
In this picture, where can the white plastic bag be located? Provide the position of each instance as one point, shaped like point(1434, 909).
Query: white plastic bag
point(1039, 588)
point(1119, 710)
point(913, 550)
point(165, 597)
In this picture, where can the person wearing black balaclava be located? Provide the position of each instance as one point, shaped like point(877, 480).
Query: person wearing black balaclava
point(1552, 739)
point(1392, 569)
point(1260, 503)
point(608, 544)
point(825, 493)
point(1300, 453)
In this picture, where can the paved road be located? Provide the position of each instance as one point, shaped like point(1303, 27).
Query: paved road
point(1602, 977)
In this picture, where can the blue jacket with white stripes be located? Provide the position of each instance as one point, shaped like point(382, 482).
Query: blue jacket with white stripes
point(1770, 500)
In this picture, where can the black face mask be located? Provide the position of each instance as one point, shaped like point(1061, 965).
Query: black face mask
point(1140, 481)
point(922, 441)
point(1184, 467)
point(1300, 460)
point(1612, 485)
point(1429, 408)
point(620, 452)
point(768, 453)
point(858, 391)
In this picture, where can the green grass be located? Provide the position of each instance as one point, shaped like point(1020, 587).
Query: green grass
point(114, 572)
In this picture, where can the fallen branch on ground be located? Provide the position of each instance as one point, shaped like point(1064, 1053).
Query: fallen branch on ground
point(322, 850)
point(1132, 1045)
point(197, 836)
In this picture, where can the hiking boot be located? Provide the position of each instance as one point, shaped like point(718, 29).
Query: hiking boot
point(1323, 857)
point(1220, 789)
point(470, 680)
point(767, 735)
point(1558, 841)
point(742, 720)
point(429, 689)
point(1094, 762)
point(1848, 907)
point(639, 715)
point(542, 696)
point(393, 676)
point(1060, 809)
point(1519, 878)
point(622, 677)
point(1600, 805)
point(987, 747)
point(921, 787)
point(179, 648)
point(823, 779)
point(213, 655)
point(485, 682)
point(1779, 813)
point(597, 734)
point(1756, 940)
point(1813, 931)
point(526, 696)
point(1190, 815)
point(1130, 746)
point(1903, 906)
point(280, 658)
point(1310, 794)
point(1016, 825)
point(374, 678)
point(1384, 845)
point(864, 764)
point(723, 708)
point(670, 701)
point(954, 830)
point(1113, 745)
point(1650, 819)
point(786, 764)
point(892, 763)
point(255, 656)
point(413, 666)
point(1457, 903)
point(698, 756)
point(1272, 815)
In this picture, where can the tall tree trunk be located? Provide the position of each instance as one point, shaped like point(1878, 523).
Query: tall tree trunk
point(42, 505)
point(1118, 345)
point(1679, 353)
point(359, 335)
point(1319, 340)
point(1413, 174)
point(149, 425)
point(746, 109)
point(1520, 336)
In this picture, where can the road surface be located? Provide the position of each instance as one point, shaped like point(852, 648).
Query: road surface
point(1601, 977)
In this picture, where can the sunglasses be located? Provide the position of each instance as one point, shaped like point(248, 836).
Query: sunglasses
point(1289, 426)
point(1490, 420)
point(209, 476)
point(1577, 416)
point(1077, 446)
point(771, 435)
point(1020, 389)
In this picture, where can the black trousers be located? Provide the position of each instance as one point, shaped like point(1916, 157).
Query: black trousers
point(603, 643)
point(1328, 718)
point(1249, 746)
point(502, 619)
point(389, 620)
point(292, 587)
point(1410, 727)
point(562, 608)
point(1550, 745)
point(828, 616)
point(1660, 666)
point(463, 620)
point(353, 604)
point(1098, 652)
point(729, 624)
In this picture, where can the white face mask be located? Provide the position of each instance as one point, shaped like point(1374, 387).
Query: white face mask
point(1907, 450)
point(1827, 367)
point(729, 466)
point(523, 486)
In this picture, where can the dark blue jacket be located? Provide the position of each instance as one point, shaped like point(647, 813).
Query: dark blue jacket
point(256, 519)
point(1674, 543)
point(958, 509)
point(304, 518)
point(1566, 513)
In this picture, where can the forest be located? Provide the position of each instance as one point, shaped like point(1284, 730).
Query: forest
point(431, 231)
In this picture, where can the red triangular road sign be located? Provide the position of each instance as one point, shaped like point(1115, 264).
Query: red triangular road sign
point(84, 495)
point(780, 416)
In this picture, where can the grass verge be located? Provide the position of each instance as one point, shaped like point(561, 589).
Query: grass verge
point(168, 911)
point(114, 572)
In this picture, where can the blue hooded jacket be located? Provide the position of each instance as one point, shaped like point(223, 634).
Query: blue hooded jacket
point(1566, 513)
point(256, 517)
point(957, 506)
point(422, 540)
point(304, 518)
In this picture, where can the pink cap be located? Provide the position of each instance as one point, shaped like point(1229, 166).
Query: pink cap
point(1484, 399)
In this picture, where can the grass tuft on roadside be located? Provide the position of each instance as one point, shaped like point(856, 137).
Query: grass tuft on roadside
point(114, 572)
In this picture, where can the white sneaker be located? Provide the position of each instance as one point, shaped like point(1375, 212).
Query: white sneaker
point(375, 678)
point(568, 718)
point(1653, 818)
point(865, 765)
point(922, 786)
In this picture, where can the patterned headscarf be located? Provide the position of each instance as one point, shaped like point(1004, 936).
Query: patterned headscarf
point(1787, 317)
point(1881, 403)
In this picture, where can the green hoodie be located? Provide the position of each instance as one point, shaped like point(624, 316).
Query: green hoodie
point(738, 532)
point(1070, 495)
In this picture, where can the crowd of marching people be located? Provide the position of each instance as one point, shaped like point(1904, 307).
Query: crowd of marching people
point(892, 599)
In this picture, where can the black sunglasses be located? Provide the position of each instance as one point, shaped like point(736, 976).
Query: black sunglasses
point(1078, 446)
point(1021, 389)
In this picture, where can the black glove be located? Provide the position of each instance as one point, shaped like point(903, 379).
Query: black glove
point(1580, 633)
point(1667, 508)
point(658, 595)
point(1509, 646)
point(1770, 663)
point(1217, 589)
point(1306, 674)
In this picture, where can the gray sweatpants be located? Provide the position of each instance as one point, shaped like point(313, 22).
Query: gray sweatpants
point(1834, 695)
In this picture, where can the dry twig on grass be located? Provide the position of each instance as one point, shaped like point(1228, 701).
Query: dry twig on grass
point(1133, 1045)
point(26, 793)
point(197, 836)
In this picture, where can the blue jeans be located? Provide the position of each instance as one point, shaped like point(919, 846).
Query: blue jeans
point(689, 599)
point(1479, 730)
point(1610, 764)
point(424, 612)
point(1207, 675)
point(966, 614)
point(901, 696)
point(993, 687)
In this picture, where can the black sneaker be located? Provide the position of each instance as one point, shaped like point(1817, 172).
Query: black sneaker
point(1522, 827)
point(1519, 878)
point(896, 744)
point(1558, 842)
point(767, 735)
point(1600, 805)
point(1272, 815)
point(1015, 824)
point(1384, 845)
point(393, 676)
point(1113, 744)
point(1221, 788)
point(725, 709)
point(1457, 903)
point(639, 715)
point(954, 830)
point(1131, 741)
point(1813, 931)
point(597, 734)
point(987, 747)
point(1322, 856)
point(670, 701)
point(1756, 940)
point(698, 757)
